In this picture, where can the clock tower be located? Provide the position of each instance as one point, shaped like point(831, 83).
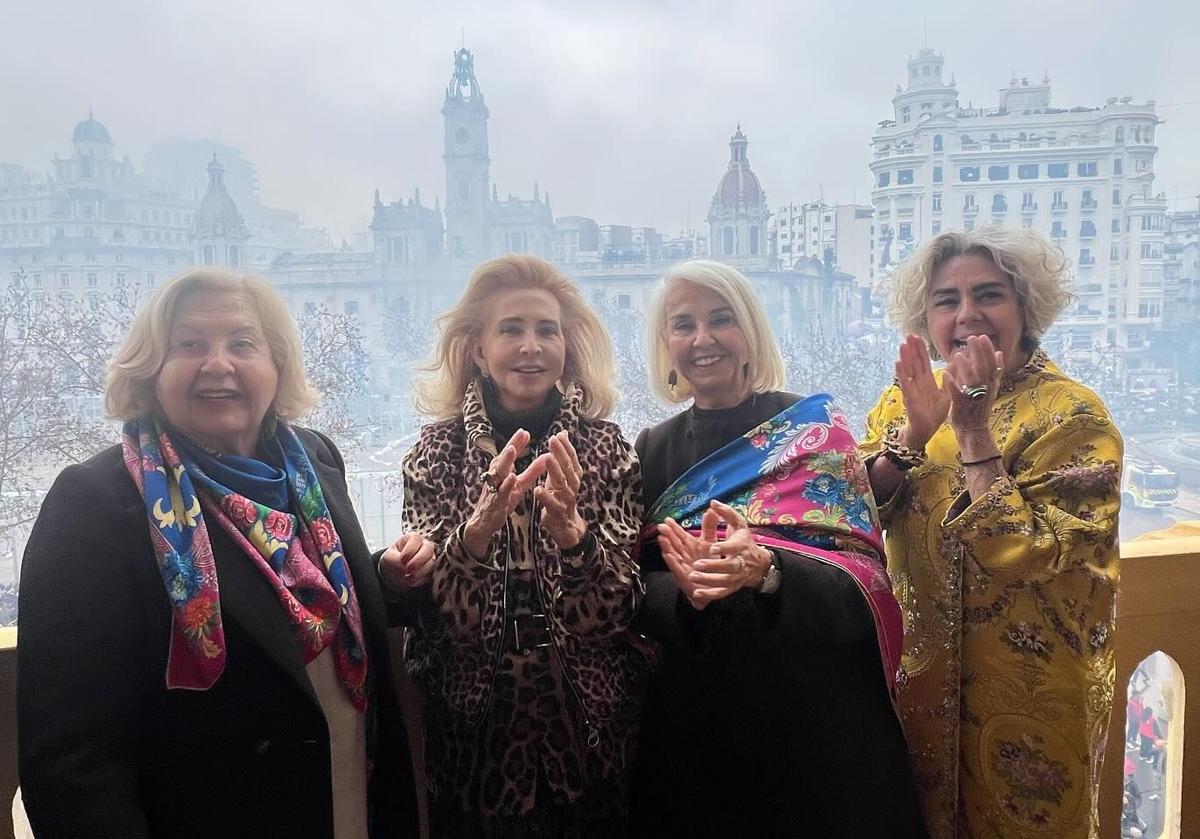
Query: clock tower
point(467, 162)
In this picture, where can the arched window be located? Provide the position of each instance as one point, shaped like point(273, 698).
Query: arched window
point(1153, 771)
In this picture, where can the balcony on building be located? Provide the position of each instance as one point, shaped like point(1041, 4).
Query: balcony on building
point(1088, 204)
point(1088, 289)
point(1087, 230)
point(970, 209)
point(1058, 206)
point(999, 204)
point(1029, 207)
point(1157, 611)
point(1087, 260)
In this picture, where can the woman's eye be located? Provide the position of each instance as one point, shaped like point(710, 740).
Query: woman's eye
point(509, 329)
point(681, 327)
point(548, 331)
point(722, 320)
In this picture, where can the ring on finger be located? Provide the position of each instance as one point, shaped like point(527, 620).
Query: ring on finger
point(489, 480)
point(741, 565)
point(974, 391)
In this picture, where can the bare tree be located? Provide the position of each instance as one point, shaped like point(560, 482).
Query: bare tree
point(337, 365)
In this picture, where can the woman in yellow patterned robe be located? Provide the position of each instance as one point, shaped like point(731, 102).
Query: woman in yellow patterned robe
point(998, 482)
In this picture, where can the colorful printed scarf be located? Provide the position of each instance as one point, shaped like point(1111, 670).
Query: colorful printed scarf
point(799, 482)
point(299, 555)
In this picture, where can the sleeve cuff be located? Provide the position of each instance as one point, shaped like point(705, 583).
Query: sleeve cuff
point(964, 513)
point(455, 550)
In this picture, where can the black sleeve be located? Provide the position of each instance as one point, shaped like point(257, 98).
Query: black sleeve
point(404, 608)
point(80, 659)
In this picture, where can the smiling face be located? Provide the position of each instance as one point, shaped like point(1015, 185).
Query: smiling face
point(707, 345)
point(218, 380)
point(970, 295)
point(522, 347)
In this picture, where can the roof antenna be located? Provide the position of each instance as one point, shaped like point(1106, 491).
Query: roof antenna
point(463, 33)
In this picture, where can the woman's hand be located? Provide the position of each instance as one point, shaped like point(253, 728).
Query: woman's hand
point(681, 550)
point(502, 489)
point(978, 365)
point(559, 493)
point(408, 563)
point(925, 403)
point(732, 564)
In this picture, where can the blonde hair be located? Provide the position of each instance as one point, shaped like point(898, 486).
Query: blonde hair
point(766, 364)
point(589, 355)
point(1039, 272)
point(134, 368)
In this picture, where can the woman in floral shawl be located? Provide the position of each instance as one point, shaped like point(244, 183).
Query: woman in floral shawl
point(770, 712)
point(998, 480)
point(203, 642)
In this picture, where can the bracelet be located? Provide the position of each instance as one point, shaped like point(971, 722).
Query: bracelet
point(984, 460)
point(901, 456)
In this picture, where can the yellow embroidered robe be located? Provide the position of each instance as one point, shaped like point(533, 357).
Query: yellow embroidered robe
point(1008, 667)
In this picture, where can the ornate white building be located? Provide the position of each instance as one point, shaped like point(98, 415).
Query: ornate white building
point(220, 232)
point(1084, 176)
point(93, 224)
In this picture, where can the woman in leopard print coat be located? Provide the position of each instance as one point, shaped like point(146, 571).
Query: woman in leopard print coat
point(521, 508)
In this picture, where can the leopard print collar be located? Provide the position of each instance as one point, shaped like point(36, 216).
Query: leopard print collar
point(478, 425)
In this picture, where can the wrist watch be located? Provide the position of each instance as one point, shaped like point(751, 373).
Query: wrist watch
point(773, 577)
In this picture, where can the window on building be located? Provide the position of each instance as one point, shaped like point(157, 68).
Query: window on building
point(905, 231)
point(64, 280)
point(968, 173)
point(904, 176)
point(754, 241)
point(997, 173)
point(969, 203)
point(1119, 136)
point(905, 112)
point(1116, 226)
point(1087, 202)
point(1114, 253)
point(1027, 202)
point(937, 228)
point(999, 203)
point(727, 241)
point(969, 224)
point(1147, 250)
point(1118, 164)
point(1058, 202)
point(1057, 230)
point(150, 279)
point(1116, 197)
point(937, 174)
point(1085, 257)
point(209, 255)
point(937, 142)
point(885, 178)
point(937, 202)
point(1058, 170)
point(93, 280)
point(1089, 169)
point(1087, 229)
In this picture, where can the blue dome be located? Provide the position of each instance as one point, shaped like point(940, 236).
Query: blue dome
point(90, 131)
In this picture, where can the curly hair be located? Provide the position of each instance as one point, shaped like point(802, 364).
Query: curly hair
point(1039, 272)
point(589, 354)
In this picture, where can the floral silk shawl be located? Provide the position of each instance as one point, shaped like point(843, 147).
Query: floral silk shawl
point(299, 555)
point(799, 482)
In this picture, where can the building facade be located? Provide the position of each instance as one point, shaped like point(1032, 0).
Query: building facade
point(738, 216)
point(93, 223)
point(1082, 175)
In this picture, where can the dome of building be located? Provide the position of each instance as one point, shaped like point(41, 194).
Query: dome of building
point(218, 213)
point(91, 131)
point(739, 185)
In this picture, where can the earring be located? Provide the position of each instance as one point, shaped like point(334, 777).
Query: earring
point(672, 379)
point(483, 372)
point(746, 370)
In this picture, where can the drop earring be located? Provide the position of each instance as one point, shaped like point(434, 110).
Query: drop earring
point(746, 370)
point(672, 379)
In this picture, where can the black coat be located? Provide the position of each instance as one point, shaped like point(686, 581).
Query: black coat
point(768, 715)
point(107, 751)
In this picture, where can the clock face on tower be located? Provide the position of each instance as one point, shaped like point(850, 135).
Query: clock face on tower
point(461, 136)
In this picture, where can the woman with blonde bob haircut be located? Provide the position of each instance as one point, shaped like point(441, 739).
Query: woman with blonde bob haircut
point(242, 632)
point(766, 372)
point(998, 481)
point(765, 590)
point(521, 508)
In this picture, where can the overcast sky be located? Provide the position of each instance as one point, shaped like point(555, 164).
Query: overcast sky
point(622, 110)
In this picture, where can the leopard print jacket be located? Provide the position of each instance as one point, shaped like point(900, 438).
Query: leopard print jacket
point(457, 653)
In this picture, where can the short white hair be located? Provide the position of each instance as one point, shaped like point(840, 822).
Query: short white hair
point(766, 364)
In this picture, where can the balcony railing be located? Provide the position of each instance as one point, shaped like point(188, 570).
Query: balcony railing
point(1157, 609)
point(1088, 204)
point(1058, 206)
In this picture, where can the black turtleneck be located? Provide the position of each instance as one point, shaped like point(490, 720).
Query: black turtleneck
point(536, 421)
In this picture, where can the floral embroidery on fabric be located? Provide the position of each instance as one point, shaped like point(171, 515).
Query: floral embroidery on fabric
point(1034, 778)
point(800, 484)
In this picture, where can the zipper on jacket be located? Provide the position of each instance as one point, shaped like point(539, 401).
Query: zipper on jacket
point(503, 625)
point(593, 733)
